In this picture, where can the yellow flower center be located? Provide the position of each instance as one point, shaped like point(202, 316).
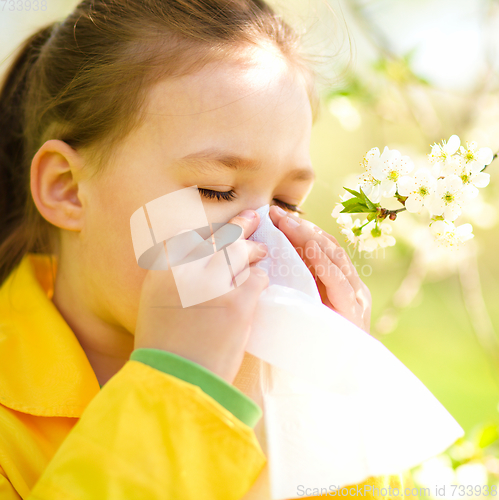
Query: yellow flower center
point(448, 197)
point(393, 175)
point(423, 191)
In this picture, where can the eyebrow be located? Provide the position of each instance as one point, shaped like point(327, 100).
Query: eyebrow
point(201, 159)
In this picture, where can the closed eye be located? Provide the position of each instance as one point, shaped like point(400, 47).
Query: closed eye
point(219, 195)
point(230, 195)
point(288, 206)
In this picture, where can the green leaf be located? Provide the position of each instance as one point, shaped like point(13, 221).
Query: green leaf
point(356, 209)
point(355, 193)
point(368, 202)
point(353, 201)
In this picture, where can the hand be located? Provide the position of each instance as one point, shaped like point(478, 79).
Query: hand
point(213, 334)
point(337, 280)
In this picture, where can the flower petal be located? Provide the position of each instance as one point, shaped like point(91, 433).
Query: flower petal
point(452, 144)
point(414, 204)
point(436, 169)
point(386, 228)
point(388, 188)
point(481, 180)
point(376, 194)
point(475, 167)
point(452, 212)
point(379, 171)
point(469, 192)
point(454, 183)
point(405, 165)
point(436, 206)
point(387, 241)
point(484, 155)
point(439, 227)
point(464, 232)
point(336, 211)
point(406, 185)
point(373, 153)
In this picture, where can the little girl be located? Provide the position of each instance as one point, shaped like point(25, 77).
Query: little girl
point(119, 104)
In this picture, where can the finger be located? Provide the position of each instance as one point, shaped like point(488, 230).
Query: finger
point(340, 292)
point(300, 231)
point(248, 220)
point(191, 246)
point(254, 285)
point(256, 250)
point(340, 258)
point(243, 300)
point(277, 214)
point(242, 253)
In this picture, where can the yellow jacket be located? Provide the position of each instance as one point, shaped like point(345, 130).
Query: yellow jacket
point(145, 435)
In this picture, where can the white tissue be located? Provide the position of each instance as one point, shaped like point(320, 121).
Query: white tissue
point(338, 406)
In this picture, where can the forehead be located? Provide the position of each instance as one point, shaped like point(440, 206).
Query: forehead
point(254, 100)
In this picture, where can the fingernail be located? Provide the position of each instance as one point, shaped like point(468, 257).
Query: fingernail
point(292, 223)
point(280, 211)
point(263, 248)
point(248, 214)
point(317, 229)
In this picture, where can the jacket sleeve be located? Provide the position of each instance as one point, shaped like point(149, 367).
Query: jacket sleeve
point(149, 434)
point(230, 397)
point(7, 491)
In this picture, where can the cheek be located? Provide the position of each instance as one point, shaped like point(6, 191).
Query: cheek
point(220, 211)
point(107, 250)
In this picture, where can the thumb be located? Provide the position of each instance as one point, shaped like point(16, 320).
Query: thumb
point(248, 220)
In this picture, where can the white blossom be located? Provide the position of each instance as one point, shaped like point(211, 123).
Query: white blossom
point(471, 153)
point(350, 228)
point(472, 176)
point(448, 235)
point(371, 186)
point(449, 197)
point(442, 154)
point(388, 168)
point(337, 209)
point(445, 189)
point(419, 189)
point(373, 238)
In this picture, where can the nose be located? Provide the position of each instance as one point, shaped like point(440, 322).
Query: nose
point(257, 201)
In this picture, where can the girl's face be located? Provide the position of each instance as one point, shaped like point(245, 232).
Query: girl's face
point(238, 128)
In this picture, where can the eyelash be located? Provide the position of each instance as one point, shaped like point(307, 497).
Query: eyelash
point(230, 195)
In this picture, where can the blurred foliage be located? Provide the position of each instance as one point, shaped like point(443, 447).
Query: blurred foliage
point(471, 461)
point(436, 313)
point(386, 70)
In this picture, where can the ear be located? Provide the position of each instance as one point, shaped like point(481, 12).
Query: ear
point(55, 170)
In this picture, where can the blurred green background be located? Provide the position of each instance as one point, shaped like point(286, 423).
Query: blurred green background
point(434, 336)
point(403, 74)
point(406, 74)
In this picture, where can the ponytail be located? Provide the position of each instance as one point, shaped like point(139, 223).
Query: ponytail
point(16, 236)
